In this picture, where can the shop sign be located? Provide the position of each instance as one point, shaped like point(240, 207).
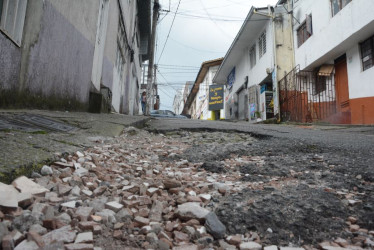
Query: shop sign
point(215, 97)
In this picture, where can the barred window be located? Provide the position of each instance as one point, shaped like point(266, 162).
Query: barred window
point(252, 56)
point(304, 31)
point(367, 53)
point(262, 44)
point(338, 5)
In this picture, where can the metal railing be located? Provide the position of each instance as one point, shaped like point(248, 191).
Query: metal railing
point(306, 96)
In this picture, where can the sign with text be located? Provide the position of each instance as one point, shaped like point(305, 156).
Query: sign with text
point(215, 97)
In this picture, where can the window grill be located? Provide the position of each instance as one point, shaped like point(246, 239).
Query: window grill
point(304, 31)
point(367, 53)
point(262, 44)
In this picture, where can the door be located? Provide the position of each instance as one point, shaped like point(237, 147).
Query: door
point(342, 92)
point(102, 24)
point(242, 105)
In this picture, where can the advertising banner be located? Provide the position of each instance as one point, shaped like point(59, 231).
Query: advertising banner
point(215, 97)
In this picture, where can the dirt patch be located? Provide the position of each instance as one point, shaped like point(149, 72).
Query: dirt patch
point(214, 167)
point(296, 214)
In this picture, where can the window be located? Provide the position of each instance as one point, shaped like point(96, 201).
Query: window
point(337, 5)
point(304, 31)
point(367, 53)
point(262, 44)
point(252, 56)
point(319, 85)
point(12, 18)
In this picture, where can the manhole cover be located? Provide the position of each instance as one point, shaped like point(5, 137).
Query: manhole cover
point(32, 123)
point(9, 124)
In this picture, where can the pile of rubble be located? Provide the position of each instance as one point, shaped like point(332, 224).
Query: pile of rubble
point(120, 195)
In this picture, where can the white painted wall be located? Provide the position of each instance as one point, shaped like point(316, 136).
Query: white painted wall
point(335, 35)
point(330, 33)
point(203, 94)
point(360, 82)
point(258, 73)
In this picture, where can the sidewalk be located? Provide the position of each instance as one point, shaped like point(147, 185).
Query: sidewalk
point(30, 138)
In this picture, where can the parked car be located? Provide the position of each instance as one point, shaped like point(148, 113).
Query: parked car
point(166, 114)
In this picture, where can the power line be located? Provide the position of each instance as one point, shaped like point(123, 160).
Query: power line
point(210, 17)
point(206, 51)
point(173, 65)
point(165, 79)
point(165, 93)
point(169, 32)
point(213, 20)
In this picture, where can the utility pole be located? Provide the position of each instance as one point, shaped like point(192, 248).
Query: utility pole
point(156, 8)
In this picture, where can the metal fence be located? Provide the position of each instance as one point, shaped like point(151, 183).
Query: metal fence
point(306, 96)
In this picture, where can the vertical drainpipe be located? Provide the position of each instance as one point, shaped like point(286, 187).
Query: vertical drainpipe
point(275, 61)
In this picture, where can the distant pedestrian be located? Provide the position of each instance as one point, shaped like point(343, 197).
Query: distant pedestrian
point(143, 100)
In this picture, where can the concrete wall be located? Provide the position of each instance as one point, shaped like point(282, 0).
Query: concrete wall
point(60, 62)
point(362, 81)
point(125, 93)
point(10, 61)
point(53, 66)
point(52, 69)
point(255, 75)
point(334, 36)
point(258, 73)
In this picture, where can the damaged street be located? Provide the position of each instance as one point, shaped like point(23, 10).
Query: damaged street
point(200, 185)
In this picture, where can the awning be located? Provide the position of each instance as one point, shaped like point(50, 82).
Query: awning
point(326, 70)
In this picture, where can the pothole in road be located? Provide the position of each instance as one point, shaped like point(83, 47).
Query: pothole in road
point(296, 214)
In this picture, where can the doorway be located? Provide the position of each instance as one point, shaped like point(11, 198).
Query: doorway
point(342, 92)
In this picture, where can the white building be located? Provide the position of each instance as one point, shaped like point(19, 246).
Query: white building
point(335, 38)
point(197, 102)
point(259, 56)
point(178, 102)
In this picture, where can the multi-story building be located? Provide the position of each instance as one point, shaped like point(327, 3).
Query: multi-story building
point(334, 54)
point(73, 55)
point(259, 56)
point(178, 102)
point(197, 104)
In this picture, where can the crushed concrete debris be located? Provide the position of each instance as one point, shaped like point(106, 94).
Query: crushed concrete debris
point(138, 192)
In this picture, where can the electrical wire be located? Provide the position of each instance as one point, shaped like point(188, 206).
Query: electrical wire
point(166, 81)
point(206, 51)
point(209, 16)
point(171, 26)
point(166, 93)
point(206, 11)
point(177, 66)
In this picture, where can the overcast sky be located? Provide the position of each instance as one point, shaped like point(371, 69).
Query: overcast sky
point(203, 30)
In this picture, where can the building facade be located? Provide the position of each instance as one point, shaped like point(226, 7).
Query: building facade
point(73, 55)
point(259, 56)
point(197, 104)
point(334, 54)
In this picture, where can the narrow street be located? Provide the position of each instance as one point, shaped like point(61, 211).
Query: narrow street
point(189, 184)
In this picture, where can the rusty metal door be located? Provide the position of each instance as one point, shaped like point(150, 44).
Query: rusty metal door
point(342, 92)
